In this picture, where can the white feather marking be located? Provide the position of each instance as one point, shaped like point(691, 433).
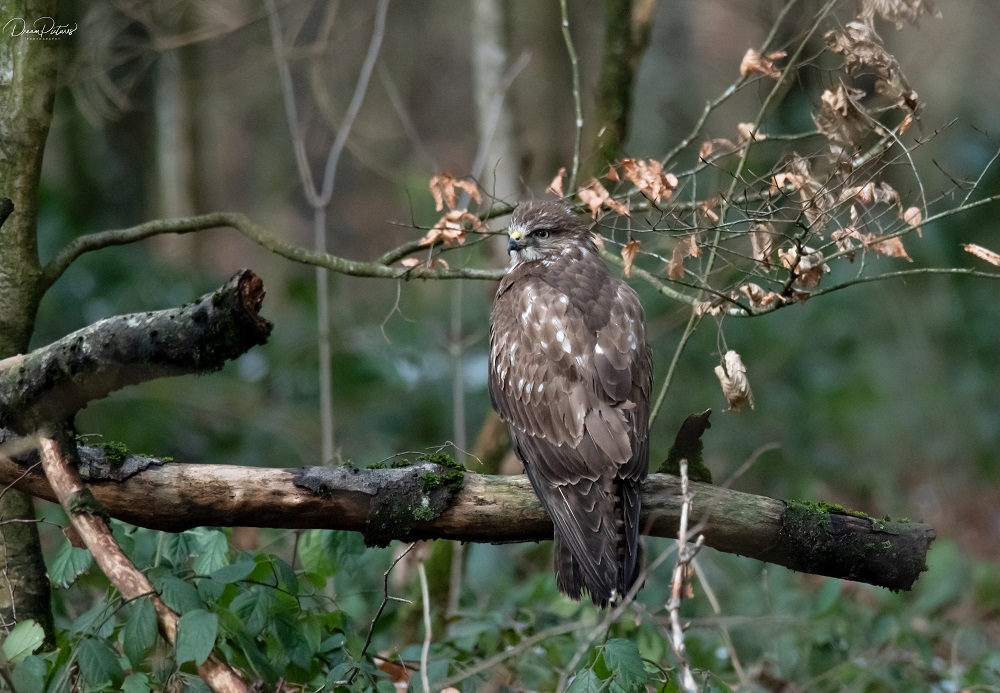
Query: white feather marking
point(598, 349)
point(560, 335)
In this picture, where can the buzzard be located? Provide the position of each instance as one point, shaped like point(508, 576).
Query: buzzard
point(570, 373)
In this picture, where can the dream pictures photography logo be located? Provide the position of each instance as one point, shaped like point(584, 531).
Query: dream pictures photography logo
point(41, 29)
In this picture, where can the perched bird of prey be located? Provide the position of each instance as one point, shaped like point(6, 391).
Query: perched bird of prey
point(570, 373)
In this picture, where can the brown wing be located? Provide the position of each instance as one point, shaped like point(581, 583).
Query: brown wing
point(571, 373)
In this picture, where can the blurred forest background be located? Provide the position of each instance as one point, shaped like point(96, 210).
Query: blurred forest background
point(883, 397)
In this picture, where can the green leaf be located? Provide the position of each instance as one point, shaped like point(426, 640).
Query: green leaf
point(196, 631)
point(233, 573)
point(316, 551)
point(98, 663)
point(212, 547)
point(26, 637)
point(139, 632)
point(136, 683)
point(585, 682)
point(180, 595)
point(253, 608)
point(177, 548)
point(625, 663)
point(195, 684)
point(29, 675)
point(326, 552)
point(69, 563)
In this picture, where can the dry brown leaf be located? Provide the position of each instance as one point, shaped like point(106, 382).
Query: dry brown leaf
point(745, 133)
point(842, 237)
point(713, 307)
point(732, 375)
point(705, 150)
point(443, 187)
point(898, 11)
point(595, 196)
point(807, 265)
point(409, 262)
point(913, 217)
point(450, 229)
point(650, 178)
point(629, 251)
point(675, 268)
point(693, 249)
point(398, 674)
point(754, 63)
point(841, 119)
point(905, 125)
point(865, 53)
point(890, 247)
point(762, 237)
point(707, 208)
point(983, 253)
point(556, 186)
point(612, 173)
point(758, 296)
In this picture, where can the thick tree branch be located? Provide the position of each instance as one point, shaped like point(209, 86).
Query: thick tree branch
point(56, 457)
point(54, 382)
point(388, 503)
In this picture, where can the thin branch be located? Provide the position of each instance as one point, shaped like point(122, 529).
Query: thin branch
point(381, 607)
point(426, 648)
point(574, 66)
point(685, 554)
point(259, 235)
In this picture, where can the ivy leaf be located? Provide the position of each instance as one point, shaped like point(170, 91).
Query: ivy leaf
point(139, 632)
point(196, 631)
point(69, 563)
point(585, 682)
point(98, 663)
point(625, 663)
point(23, 640)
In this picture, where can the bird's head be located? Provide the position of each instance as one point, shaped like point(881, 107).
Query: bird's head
point(545, 230)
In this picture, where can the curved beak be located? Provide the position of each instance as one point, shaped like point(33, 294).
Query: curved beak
point(514, 238)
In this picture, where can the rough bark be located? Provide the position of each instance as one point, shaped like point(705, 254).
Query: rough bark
point(27, 88)
point(54, 382)
point(812, 538)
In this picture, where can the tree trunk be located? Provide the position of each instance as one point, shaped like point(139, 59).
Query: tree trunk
point(27, 88)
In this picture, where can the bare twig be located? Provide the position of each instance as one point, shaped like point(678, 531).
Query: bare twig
point(574, 66)
point(426, 648)
point(685, 554)
point(381, 607)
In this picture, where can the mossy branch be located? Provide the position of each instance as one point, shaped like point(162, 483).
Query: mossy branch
point(52, 383)
point(389, 504)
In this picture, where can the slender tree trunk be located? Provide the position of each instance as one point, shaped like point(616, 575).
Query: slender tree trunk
point(27, 86)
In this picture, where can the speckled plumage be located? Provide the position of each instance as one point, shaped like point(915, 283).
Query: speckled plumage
point(571, 372)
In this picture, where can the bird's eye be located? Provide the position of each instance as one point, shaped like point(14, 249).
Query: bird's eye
point(542, 233)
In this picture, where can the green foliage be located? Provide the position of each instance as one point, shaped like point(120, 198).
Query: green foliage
point(69, 563)
point(23, 639)
point(196, 633)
